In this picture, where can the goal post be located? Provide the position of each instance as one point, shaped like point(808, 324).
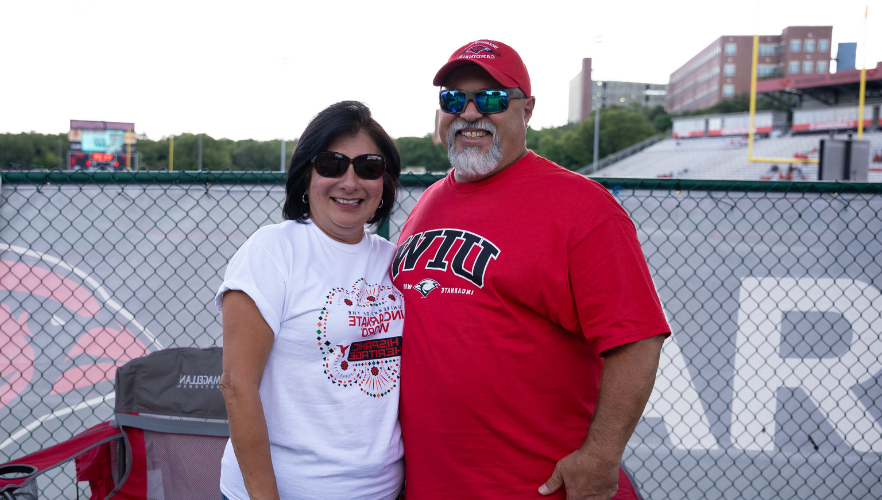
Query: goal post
point(751, 128)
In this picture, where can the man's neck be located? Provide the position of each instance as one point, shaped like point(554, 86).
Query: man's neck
point(459, 178)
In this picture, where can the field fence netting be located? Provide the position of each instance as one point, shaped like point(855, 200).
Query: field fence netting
point(769, 387)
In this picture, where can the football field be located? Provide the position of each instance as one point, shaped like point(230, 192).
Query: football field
point(770, 387)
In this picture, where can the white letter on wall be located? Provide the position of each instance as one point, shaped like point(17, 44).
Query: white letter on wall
point(760, 370)
point(675, 400)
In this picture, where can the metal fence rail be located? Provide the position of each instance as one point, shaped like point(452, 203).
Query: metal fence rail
point(769, 388)
point(620, 155)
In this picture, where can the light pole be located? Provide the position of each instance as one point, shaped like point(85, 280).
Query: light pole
point(597, 40)
point(596, 136)
point(282, 164)
point(171, 153)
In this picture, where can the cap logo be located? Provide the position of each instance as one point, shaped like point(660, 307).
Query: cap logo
point(479, 51)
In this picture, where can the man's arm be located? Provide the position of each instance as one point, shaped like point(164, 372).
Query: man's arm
point(592, 471)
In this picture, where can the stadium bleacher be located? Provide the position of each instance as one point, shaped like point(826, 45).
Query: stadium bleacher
point(726, 157)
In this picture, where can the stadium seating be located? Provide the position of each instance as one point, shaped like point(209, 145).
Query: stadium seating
point(726, 158)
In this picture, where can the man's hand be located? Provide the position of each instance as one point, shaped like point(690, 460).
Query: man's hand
point(592, 471)
point(584, 477)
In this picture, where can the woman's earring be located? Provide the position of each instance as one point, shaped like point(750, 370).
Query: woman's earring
point(381, 202)
point(304, 200)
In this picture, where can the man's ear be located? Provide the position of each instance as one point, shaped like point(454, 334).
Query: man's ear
point(529, 103)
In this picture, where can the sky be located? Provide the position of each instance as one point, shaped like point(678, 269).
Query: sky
point(260, 70)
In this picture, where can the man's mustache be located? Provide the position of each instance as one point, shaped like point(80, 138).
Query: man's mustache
point(482, 124)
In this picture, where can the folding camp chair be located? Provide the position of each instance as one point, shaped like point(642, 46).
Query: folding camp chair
point(164, 443)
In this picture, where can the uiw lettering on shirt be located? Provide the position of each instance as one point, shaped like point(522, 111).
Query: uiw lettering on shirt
point(415, 246)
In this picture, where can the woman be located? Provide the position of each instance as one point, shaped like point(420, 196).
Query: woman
point(312, 327)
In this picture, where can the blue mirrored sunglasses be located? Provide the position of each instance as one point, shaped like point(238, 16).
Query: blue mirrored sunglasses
point(487, 101)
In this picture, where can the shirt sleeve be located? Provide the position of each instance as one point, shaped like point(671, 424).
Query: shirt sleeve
point(253, 271)
point(613, 293)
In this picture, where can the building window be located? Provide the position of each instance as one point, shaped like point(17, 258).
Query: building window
point(809, 46)
point(731, 49)
point(765, 70)
point(822, 66)
point(823, 45)
point(766, 49)
point(808, 67)
point(728, 90)
point(728, 70)
point(793, 68)
point(794, 46)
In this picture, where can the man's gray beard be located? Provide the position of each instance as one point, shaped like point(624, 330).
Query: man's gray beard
point(470, 162)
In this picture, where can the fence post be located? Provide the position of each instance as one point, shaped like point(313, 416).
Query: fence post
point(384, 230)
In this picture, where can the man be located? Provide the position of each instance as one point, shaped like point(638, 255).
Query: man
point(530, 310)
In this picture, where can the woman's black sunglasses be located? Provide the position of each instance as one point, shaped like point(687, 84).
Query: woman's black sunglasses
point(367, 166)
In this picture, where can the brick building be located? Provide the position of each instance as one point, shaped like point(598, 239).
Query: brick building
point(722, 69)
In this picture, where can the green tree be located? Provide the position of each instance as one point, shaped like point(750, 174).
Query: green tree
point(622, 127)
point(217, 154)
point(152, 155)
point(27, 149)
point(256, 155)
point(663, 123)
point(572, 146)
point(422, 152)
point(186, 151)
point(546, 136)
point(656, 115)
point(32, 149)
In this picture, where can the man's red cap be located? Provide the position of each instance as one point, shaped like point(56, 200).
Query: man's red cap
point(497, 58)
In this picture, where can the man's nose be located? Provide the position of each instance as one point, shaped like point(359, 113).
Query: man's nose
point(471, 113)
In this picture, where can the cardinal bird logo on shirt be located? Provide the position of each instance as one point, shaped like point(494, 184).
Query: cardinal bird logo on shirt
point(426, 286)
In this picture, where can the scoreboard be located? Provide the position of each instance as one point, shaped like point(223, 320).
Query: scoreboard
point(95, 145)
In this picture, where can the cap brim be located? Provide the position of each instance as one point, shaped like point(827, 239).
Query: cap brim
point(445, 70)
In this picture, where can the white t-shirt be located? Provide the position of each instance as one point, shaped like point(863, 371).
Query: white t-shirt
point(331, 383)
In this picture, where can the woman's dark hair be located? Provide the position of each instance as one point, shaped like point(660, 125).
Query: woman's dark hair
point(342, 118)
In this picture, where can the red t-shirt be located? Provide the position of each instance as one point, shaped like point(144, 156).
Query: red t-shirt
point(513, 285)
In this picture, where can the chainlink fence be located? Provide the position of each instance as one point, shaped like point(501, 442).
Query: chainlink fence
point(769, 387)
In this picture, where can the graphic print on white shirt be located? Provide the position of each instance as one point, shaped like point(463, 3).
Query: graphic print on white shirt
point(350, 328)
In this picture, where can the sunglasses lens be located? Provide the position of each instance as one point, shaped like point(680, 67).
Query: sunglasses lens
point(369, 166)
point(487, 101)
point(331, 164)
point(492, 101)
point(453, 101)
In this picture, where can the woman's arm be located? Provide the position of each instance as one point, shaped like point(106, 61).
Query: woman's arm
point(247, 343)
